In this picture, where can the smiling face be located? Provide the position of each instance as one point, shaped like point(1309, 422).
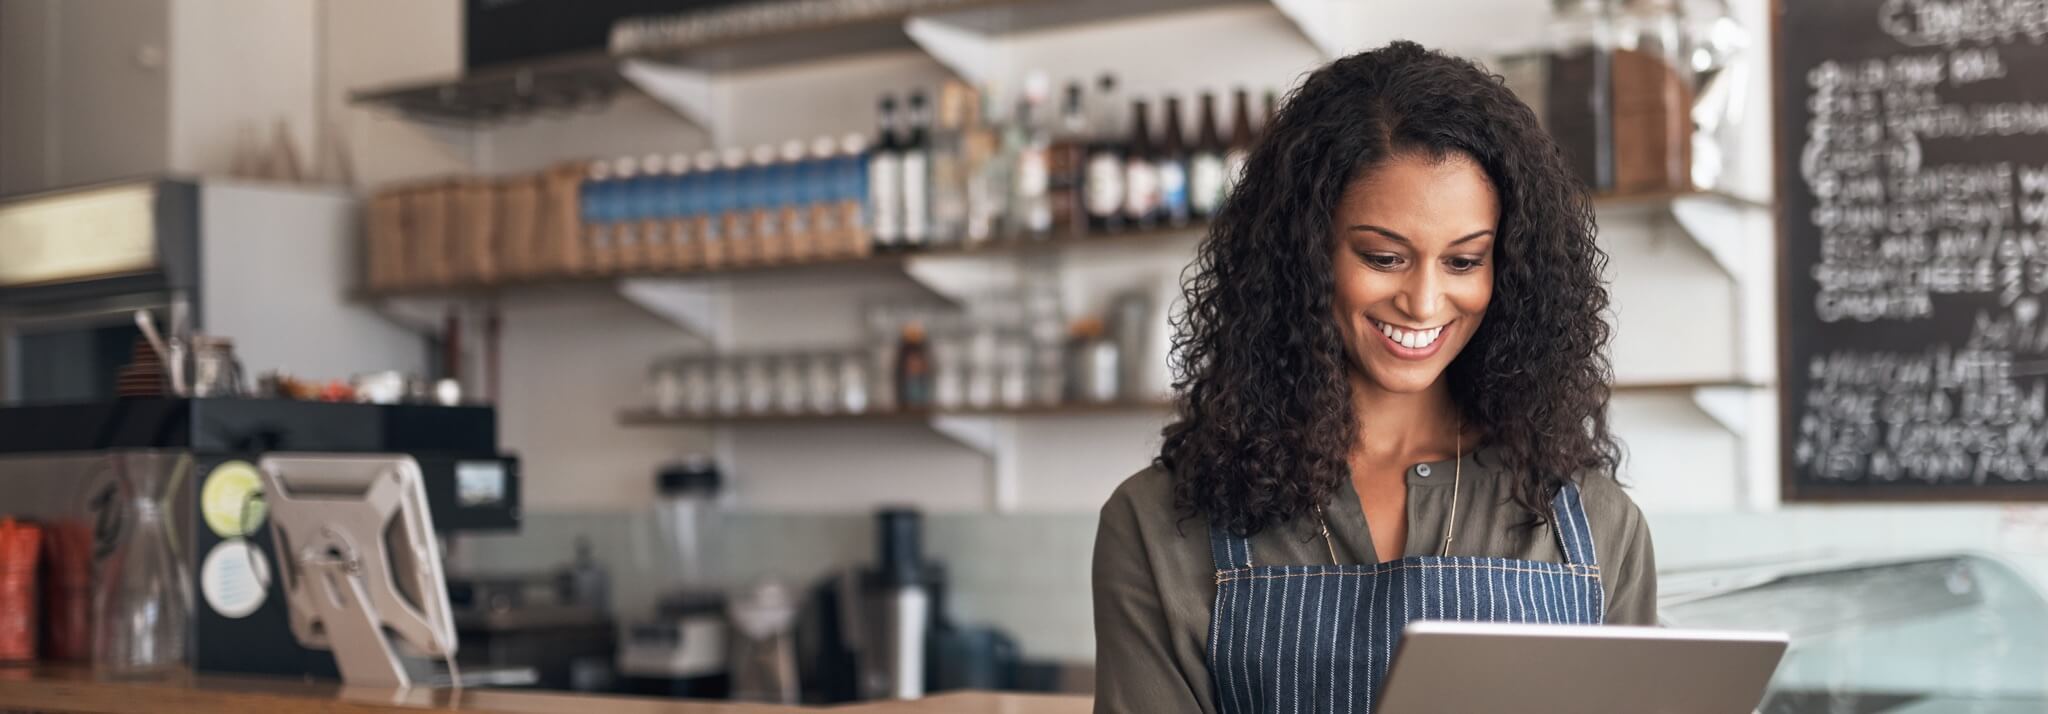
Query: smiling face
point(1413, 267)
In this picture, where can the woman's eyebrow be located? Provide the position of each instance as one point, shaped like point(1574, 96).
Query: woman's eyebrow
point(1398, 238)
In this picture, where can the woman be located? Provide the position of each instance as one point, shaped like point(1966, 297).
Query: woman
point(1392, 406)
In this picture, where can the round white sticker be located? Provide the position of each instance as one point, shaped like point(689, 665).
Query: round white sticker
point(234, 578)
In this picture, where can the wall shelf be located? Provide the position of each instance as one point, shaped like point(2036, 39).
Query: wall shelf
point(1726, 401)
point(651, 418)
point(1479, 28)
point(990, 432)
point(822, 267)
point(566, 84)
point(677, 70)
point(1683, 385)
point(1607, 205)
point(1713, 219)
point(672, 65)
point(969, 42)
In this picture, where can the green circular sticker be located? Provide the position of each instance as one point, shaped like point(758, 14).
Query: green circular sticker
point(232, 499)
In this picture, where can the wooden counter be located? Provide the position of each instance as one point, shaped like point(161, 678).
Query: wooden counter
point(72, 690)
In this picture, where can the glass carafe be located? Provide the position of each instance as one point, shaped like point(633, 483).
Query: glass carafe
point(142, 605)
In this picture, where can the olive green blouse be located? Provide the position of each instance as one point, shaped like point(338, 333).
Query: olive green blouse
point(1154, 581)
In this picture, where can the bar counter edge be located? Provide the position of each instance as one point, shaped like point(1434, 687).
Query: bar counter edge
point(74, 690)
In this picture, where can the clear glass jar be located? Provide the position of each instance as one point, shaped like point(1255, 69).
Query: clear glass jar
point(727, 387)
point(853, 382)
point(882, 331)
point(1048, 373)
point(699, 393)
point(757, 384)
point(791, 383)
point(1653, 96)
point(1716, 50)
point(1578, 89)
point(668, 388)
point(1013, 368)
point(984, 371)
point(821, 383)
point(949, 365)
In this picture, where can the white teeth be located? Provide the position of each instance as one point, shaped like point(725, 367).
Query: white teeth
point(1411, 339)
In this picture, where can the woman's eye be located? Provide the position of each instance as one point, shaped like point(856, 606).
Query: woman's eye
point(1382, 261)
point(1465, 265)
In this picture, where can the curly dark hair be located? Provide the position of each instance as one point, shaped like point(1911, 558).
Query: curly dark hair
point(1264, 420)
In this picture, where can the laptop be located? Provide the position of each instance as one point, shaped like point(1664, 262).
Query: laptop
point(1467, 667)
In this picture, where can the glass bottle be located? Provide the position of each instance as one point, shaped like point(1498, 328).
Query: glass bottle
point(949, 165)
point(917, 176)
point(1067, 161)
point(913, 369)
point(1206, 178)
point(988, 190)
point(1172, 166)
point(1104, 179)
point(885, 181)
point(1141, 176)
point(1240, 141)
point(1031, 206)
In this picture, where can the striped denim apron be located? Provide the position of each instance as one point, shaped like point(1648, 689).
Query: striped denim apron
point(1319, 638)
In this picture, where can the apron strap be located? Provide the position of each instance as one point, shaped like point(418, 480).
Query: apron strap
point(1574, 532)
point(1228, 550)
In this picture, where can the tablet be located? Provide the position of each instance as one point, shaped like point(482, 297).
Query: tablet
point(1495, 667)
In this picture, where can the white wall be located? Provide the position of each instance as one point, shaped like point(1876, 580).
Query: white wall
point(276, 269)
point(377, 43)
point(571, 360)
point(242, 70)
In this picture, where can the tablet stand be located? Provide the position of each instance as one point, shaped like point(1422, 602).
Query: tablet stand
point(355, 545)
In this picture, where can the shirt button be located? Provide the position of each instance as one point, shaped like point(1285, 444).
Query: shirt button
point(1422, 470)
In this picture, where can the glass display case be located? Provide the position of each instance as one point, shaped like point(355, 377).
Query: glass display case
point(1948, 633)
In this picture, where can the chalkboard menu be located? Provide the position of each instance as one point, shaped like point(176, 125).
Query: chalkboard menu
point(1913, 175)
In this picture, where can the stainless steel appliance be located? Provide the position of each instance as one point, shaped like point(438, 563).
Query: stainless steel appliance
point(558, 625)
point(866, 630)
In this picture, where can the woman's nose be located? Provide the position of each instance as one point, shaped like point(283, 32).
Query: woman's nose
point(1421, 296)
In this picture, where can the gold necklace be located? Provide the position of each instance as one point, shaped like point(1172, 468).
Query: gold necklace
point(1450, 528)
point(1457, 475)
